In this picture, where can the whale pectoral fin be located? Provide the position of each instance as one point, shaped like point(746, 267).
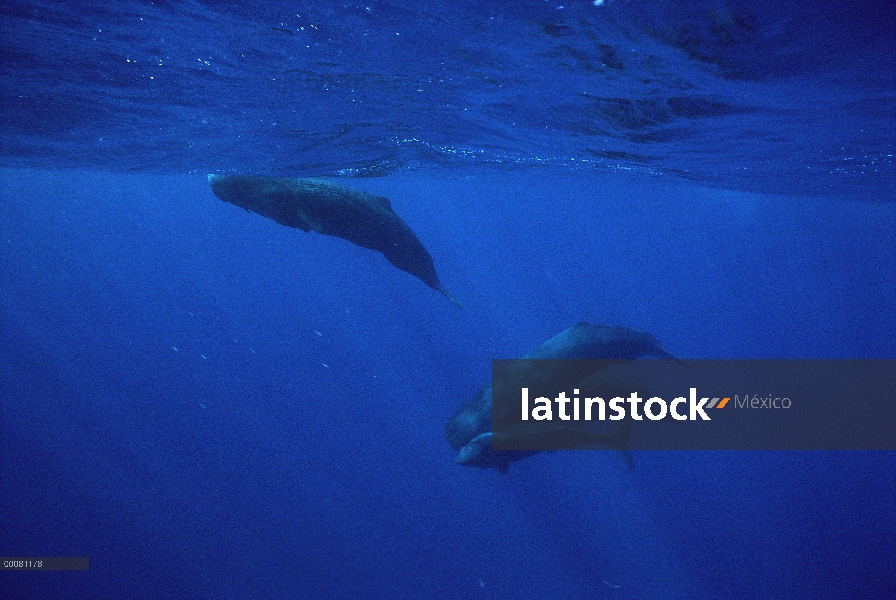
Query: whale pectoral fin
point(621, 439)
point(620, 443)
point(626, 456)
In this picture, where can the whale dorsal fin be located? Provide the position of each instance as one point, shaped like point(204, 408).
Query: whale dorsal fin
point(384, 201)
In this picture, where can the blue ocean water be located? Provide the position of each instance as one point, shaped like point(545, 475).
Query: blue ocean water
point(211, 405)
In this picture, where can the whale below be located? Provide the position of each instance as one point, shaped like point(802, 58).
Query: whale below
point(328, 208)
point(469, 430)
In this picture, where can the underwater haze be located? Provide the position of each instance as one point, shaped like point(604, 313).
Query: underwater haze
point(208, 404)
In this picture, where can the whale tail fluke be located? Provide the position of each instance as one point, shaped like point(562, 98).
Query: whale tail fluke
point(449, 295)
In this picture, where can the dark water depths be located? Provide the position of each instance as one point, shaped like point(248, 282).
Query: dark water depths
point(210, 405)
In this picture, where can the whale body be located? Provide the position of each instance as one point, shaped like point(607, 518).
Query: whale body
point(328, 208)
point(469, 430)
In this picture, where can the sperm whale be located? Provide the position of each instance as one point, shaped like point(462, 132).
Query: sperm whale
point(328, 208)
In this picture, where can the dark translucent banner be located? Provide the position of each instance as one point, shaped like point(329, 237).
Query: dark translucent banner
point(694, 404)
point(44, 563)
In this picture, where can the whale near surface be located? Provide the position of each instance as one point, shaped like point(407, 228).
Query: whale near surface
point(328, 208)
point(469, 430)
